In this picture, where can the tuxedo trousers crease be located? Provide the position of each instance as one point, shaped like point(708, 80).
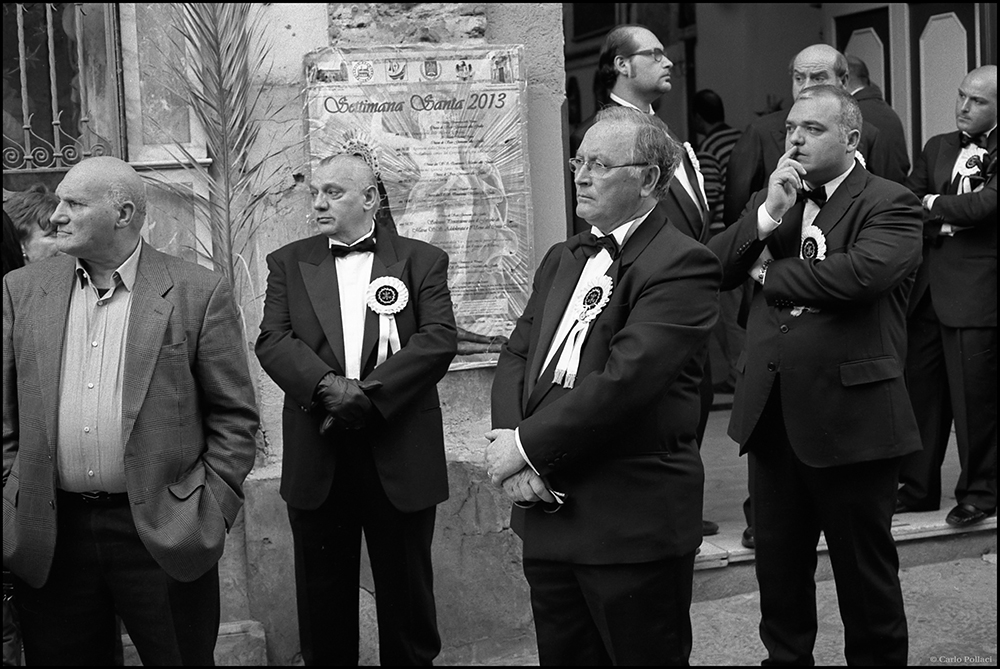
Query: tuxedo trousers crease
point(327, 543)
point(616, 614)
point(852, 506)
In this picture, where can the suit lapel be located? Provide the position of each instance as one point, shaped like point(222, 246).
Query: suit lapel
point(950, 148)
point(385, 263)
point(149, 315)
point(570, 268)
point(788, 236)
point(567, 274)
point(319, 275)
point(50, 335)
point(690, 210)
point(833, 211)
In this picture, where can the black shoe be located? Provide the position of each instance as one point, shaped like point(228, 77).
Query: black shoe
point(902, 507)
point(747, 539)
point(708, 528)
point(964, 515)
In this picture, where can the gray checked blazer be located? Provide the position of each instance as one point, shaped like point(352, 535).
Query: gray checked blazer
point(189, 417)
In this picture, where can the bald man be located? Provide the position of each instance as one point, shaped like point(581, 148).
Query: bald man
point(951, 366)
point(129, 425)
point(763, 142)
point(358, 329)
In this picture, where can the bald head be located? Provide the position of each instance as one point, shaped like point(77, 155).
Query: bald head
point(817, 65)
point(102, 206)
point(121, 184)
point(976, 107)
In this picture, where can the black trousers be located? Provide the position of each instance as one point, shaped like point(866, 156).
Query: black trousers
point(619, 614)
point(852, 505)
point(327, 570)
point(101, 568)
point(951, 374)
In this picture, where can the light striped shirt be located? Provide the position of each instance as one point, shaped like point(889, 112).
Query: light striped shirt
point(89, 448)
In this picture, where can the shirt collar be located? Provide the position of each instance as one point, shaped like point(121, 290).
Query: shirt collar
point(125, 274)
point(371, 232)
point(985, 134)
point(833, 183)
point(626, 103)
point(623, 232)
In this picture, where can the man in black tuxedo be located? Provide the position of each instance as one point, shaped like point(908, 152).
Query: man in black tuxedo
point(951, 367)
point(820, 404)
point(636, 71)
point(877, 111)
point(762, 144)
point(357, 330)
point(595, 407)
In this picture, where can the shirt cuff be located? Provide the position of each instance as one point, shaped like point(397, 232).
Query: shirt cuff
point(929, 200)
point(765, 224)
point(520, 449)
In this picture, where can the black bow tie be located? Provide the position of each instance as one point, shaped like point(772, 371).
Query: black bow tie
point(817, 195)
point(364, 246)
point(592, 245)
point(979, 140)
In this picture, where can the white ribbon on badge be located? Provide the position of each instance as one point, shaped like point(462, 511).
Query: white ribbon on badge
point(588, 301)
point(387, 296)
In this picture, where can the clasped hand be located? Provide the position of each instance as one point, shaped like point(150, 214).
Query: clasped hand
point(507, 469)
point(345, 402)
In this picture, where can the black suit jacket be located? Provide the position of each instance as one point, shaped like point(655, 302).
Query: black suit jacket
point(842, 391)
point(693, 219)
point(760, 146)
point(877, 111)
point(621, 443)
point(301, 339)
point(961, 270)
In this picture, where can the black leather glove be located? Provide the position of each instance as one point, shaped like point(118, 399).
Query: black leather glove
point(345, 402)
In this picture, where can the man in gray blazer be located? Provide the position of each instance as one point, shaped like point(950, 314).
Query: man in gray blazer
point(129, 424)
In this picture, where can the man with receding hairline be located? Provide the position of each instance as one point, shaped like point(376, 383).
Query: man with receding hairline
point(129, 425)
point(820, 404)
point(595, 409)
point(951, 367)
point(877, 111)
point(357, 330)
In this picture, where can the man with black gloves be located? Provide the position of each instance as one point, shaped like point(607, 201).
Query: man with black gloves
point(357, 330)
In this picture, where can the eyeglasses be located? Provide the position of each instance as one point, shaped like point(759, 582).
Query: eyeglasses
point(657, 54)
point(596, 167)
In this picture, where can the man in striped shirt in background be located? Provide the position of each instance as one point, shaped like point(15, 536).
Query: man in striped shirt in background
point(713, 152)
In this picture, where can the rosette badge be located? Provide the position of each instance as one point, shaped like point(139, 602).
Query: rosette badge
point(589, 301)
point(387, 296)
point(813, 244)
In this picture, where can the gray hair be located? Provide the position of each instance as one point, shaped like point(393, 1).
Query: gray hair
point(849, 117)
point(652, 143)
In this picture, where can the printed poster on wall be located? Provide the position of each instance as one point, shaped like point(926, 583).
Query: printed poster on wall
point(448, 127)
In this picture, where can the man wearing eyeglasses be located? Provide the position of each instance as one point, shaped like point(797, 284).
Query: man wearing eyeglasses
point(595, 406)
point(634, 67)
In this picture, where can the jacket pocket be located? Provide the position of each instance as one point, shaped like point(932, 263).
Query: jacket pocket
point(859, 372)
point(189, 484)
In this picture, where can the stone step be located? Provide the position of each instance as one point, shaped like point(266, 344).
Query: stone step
point(724, 567)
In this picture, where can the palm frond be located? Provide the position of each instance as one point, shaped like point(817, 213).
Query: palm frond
point(219, 78)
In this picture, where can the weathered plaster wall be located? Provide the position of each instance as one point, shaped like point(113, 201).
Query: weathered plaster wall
point(481, 595)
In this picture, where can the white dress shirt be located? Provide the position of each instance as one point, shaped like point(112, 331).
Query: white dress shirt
point(354, 272)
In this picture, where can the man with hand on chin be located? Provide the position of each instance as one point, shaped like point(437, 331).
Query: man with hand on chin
point(357, 330)
point(820, 403)
point(595, 408)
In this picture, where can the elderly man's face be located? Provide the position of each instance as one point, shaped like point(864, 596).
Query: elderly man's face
point(84, 221)
point(606, 201)
point(812, 68)
point(343, 199)
point(976, 107)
